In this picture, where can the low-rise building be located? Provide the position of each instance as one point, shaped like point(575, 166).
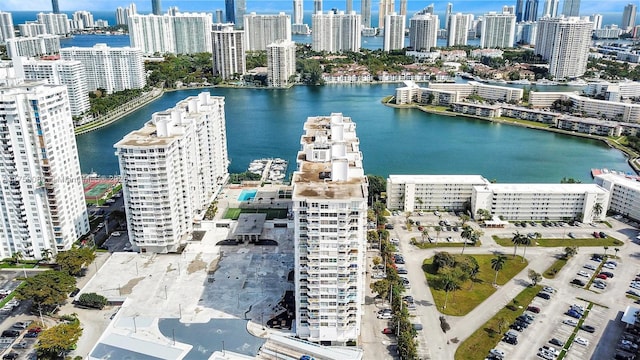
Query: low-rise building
point(33, 46)
point(589, 126)
point(624, 194)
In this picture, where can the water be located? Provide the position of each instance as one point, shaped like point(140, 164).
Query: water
point(268, 123)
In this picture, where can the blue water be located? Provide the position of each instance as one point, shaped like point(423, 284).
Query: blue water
point(246, 195)
point(268, 123)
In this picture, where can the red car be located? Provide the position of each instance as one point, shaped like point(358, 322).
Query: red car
point(602, 276)
point(596, 235)
point(35, 330)
point(387, 331)
point(533, 309)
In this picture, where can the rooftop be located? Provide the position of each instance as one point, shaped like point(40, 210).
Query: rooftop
point(543, 188)
point(438, 179)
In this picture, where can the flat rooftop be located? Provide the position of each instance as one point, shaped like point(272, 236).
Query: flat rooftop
point(621, 180)
point(543, 188)
point(438, 179)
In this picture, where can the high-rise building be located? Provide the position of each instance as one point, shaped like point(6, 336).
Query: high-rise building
point(526, 32)
point(498, 30)
point(365, 9)
point(219, 16)
point(230, 11)
point(241, 10)
point(447, 15)
point(564, 42)
point(55, 24)
point(83, 19)
point(55, 8)
point(298, 12)
point(458, 25)
point(596, 19)
point(531, 10)
point(262, 30)
point(171, 168)
point(629, 16)
point(69, 73)
point(281, 63)
point(349, 6)
point(228, 53)
point(386, 7)
point(111, 69)
point(42, 207)
point(336, 32)
point(156, 7)
point(33, 46)
point(571, 8)
point(6, 26)
point(121, 17)
point(423, 32)
point(551, 8)
point(317, 6)
point(428, 10)
point(329, 184)
point(403, 7)
point(184, 33)
point(509, 9)
point(394, 32)
point(32, 29)
point(519, 10)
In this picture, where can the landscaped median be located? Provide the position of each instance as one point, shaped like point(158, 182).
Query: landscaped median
point(466, 288)
point(487, 336)
point(441, 244)
point(609, 241)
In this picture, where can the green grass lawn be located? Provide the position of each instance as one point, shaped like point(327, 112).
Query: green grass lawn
point(440, 244)
point(234, 213)
point(609, 241)
point(486, 337)
point(554, 269)
point(471, 294)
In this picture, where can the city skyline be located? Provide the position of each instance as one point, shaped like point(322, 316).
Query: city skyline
point(587, 7)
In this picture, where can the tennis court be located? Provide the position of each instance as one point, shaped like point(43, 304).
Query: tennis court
point(95, 189)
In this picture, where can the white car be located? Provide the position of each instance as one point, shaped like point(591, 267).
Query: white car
point(570, 322)
point(497, 352)
point(581, 341)
point(584, 273)
point(385, 316)
point(609, 266)
point(635, 285)
point(550, 349)
point(549, 289)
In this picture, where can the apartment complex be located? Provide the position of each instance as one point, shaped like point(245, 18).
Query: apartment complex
point(329, 200)
point(281, 63)
point(42, 205)
point(571, 8)
point(457, 31)
point(624, 194)
point(122, 14)
point(498, 30)
point(55, 24)
point(629, 16)
point(6, 26)
point(541, 201)
point(386, 7)
point(394, 32)
point(112, 69)
point(447, 94)
point(229, 57)
point(262, 30)
point(564, 42)
point(31, 29)
point(181, 33)
point(423, 32)
point(33, 46)
point(69, 73)
point(336, 32)
point(171, 168)
point(431, 192)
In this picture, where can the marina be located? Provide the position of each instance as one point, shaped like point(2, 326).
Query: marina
point(272, 170)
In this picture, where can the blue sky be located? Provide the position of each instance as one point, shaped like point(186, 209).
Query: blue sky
point(475, 6)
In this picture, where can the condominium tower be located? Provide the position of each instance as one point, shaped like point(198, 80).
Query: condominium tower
point(457, 34)
point(394, 32)
point(530, 10)
point(329, 204)
point(69, 73)
point(55, 24)
point(262, 30)
point(386, 7)
point(171, 168)
point(564, 42)
point(42, 207)
point(33, 46)
point(629, 16)
point(156, 7)
point(551, 8)
point(403, 7)
point(112, 69)
point(281, 63)
point(365, 10)
point(182, 33)
point(447, 15)
point(230, 11)
point(498, 30)
point(228, 53)
point(31, 29)
point(336, 32)
point(317, 6)
point(298, 12)
point(423, 32)
point(55, 8)
point(571, 8)
point(519, 10)
point(6, 26)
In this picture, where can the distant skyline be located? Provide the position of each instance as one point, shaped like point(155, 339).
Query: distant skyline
point(587, 7)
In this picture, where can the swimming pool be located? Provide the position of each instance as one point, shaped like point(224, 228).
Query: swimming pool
point(247, 195)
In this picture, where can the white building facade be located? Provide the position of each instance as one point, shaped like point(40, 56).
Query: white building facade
point(182, 33)
point(281, 63)
point(42, 204)
point(112, 69)
point(498, 30)
point(31, 29)
point(262, 30)
point(171, 169)
point(329, 200)
point(6, 26)
point(423, 32)
point(458, 29)
point(229, 58)
point(394, 32)
point(55, 24)
point(624, 194)
point(336, 32)
point(33, 46)
point(565, 43)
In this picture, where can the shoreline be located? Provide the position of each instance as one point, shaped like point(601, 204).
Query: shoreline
point(633, 159)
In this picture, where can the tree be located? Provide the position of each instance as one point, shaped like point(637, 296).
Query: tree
point(616, 250)
point(92, 300)
point(381, 287)
point(466, 234)
point(47, 290)
point(377, 186)
point(425, 233)
point(525, 241)
point(443, 259)
point(444, 325)
point(605, 250)
point(449, 283)
point(497, 263)
point(73, 260)
point(16, 257)
point(464, 218)
point(517, 239)
point(597, 210)
point(570, 180)
point(570, 251)
point(534, 277)
point(58, 339)
point(46, 254)
point(437, 228)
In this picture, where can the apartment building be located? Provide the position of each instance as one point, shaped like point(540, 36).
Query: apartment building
point(229, 58)
point(336, 32)
point(6, 26)
point(281, 63)
point(624, 194)
point(112, 69)
point(541, 201)
point(431, 192)
point(179, 33)
point(171, 169)
point(40, 45)
point(329, 200)
point(31, 29)
point(394, 32)
point(423, 32)
point(42, 205)
point(498, 30)
point(564, 42)
point(262, 30)
point(55, 24)
point(457, 30)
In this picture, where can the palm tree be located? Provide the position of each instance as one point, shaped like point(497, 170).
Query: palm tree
point(16, 257)
point(570, 251)
point(517, 240)
point(437, 229)
point(497, 263)
point(467, 233)
point(473, 273)
point(425, 233)
point(535, 277)
point(526, 241)
point(449, 283)
point(616, 250)
point(46, 254)
point(605, 251)
point(464, 218)
point(597, 210)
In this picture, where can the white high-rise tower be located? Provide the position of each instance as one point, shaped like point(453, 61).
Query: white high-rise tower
point(262, 30)
point(550, 8)
point(336, 32)
point(498, 30)
point(281, 63)
point(458, 25)
point(386, 7)
point(564, 42)
point(394, 32)
point(423, 32)
point(298, 12)
point(6, 26)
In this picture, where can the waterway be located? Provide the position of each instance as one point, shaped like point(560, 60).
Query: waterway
point(268, 123)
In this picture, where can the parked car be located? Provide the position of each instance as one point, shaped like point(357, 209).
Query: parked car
point(584, 274)
point(10, 333)
point(571, 235)
point(20, 325)
point(550, 349)
point(609, 266)
point(497, 352)
point(557, 342)
point(570, 322)
point(31, 335)
point(581, 341)
point(510, 340)
point(385, 316)
point(635, 285)
point(609, 274)
point(549, 289)
point(516, 327)
point(588, 328)
point(602, 234)
point(21, 345)
point(387, 331)
point(596, 235)
point(589, 266)
point(574, 314)
point(402, 271)
point(534, 309)
point(599, 285)
point(10, 356)
point(602, 276)
point(543, 295)
point(578, 282)
point(74, 292)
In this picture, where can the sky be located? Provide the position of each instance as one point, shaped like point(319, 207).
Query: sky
point(587, 7)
